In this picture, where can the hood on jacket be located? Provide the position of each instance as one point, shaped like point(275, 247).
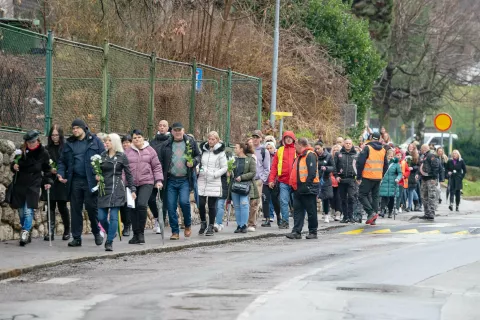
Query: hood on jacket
point(306, 150)
point(162, 136)
point(352, 151)
point(393, 160)
point(375, 145)
point(219, 147)
point(288, 134)
point(145, 144)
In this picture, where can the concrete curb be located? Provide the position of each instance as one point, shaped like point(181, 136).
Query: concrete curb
point(13, 273)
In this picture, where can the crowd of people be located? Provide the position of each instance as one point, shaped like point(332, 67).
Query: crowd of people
point(117, 179)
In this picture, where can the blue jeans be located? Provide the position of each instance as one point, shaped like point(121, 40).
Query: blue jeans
point(26, 217)
point(242, 208)
point(220, 210)
point(412, 195)
point(109, 226)
point(285, 194)
point(178, 191)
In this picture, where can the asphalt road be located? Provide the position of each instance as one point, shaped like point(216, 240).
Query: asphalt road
point(339, 276)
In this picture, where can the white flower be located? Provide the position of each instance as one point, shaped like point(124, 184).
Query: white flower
point(93, 163)
point(50, 161)
point(95, 157)
point(18, 152)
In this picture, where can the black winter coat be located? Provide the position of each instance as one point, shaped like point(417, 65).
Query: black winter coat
point(344, 165)
point(112, 171)
point(158, 142)
point(326, 189)
point(456, 179)
point(165, 158)
point(58, 192)
point(34, 172)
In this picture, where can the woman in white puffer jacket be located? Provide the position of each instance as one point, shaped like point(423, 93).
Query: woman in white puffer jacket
point(212, 167)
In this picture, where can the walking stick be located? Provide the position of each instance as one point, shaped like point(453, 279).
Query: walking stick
point(48, 217)
point(119, 227)
point(161, 223)
point(229, 211)
point(395, 202)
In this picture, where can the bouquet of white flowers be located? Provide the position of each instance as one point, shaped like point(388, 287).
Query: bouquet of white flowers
point(53, 164)
point(97, 167)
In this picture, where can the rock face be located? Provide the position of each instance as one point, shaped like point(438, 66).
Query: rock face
point(10, 222)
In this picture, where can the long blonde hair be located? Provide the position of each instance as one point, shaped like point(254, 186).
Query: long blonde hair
point(459, 155)
point(115, 140)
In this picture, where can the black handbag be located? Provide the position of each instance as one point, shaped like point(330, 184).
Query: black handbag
point(9, 193)
point(242, 187)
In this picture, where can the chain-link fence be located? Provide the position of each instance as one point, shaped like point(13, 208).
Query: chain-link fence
point(46, 80)
point(348, 114)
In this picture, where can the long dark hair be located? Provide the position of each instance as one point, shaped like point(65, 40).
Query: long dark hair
point(246, 147)
point(60, 135)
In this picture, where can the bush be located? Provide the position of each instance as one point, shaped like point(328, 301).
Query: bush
point(470, 151)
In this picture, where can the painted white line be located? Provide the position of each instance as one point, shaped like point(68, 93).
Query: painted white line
point(59, 280)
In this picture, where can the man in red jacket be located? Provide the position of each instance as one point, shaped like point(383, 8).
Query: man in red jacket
point(280, 173)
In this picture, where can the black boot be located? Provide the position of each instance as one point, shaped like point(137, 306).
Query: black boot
point(456, 209)
point(203, 227)
point(108, 245)
point(450, 206)
point(141, 238)
point(50, 234)
point(416, 206)
point(75, 243)
point(126, 231)
point(134, 239)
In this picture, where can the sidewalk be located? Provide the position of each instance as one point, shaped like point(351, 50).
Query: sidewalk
point(16, 260)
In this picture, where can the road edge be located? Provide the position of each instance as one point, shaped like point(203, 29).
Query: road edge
point(16, 272)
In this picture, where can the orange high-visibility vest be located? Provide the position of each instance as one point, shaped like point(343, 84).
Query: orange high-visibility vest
point(374, 165)
point(302, 171)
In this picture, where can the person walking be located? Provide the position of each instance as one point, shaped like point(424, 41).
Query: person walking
point(179, 156)
point(58, 191)
point(75, 169)
point(147, 173)
point(306, 185)
point(242, 184)
point(261, 182)
point(213, 165)
point(125, 209)
point(270, 145)
point(114, 165)
point(412, 196)
point(443, 169)
point(222, 200)
point(345, 176)
point(371, 166)
point(389, 187)
point(325, 168)
point(336, 202)
point(280, 171)
point(163, 134)
point(457, 170)
point(32, 172)
point(429, 169)
point(403, 183)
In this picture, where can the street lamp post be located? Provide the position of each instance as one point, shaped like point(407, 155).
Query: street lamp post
point(276, 37)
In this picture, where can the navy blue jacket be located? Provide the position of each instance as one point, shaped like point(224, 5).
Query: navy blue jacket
point(65, 163)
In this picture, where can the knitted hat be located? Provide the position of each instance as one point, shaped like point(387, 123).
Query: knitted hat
point(79, 123)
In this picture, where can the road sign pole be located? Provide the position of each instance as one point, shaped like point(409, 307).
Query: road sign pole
point(441, 140)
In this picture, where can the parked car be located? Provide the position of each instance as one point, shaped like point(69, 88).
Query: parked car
point(433, 137)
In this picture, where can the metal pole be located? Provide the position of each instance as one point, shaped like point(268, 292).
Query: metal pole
point(276, 38)
point(50, 231)
point(450, 143)
point(151, 104)
point(441, 140)
point(49, 82)
point(281, 128)
point(191, 125)
point(259, 107)
point(229, 105)
point(105, 86)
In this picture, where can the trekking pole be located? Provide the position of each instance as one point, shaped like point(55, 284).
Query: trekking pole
point(48, 217)
point(161, 222)
point(395, 202)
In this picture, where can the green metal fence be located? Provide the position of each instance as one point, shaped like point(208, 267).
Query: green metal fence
point(46, 80)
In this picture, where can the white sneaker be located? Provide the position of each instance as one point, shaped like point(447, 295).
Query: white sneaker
point(337, 215)
point(215, 227)
point(156, 228)
point(220, 227)
point(327, 220)
point(251, 229)
point(271, 220)
point(399, 210)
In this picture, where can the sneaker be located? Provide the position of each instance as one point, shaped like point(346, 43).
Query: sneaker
point(210, 231)
point(311, 236)
point(75, 243)
point(220, 227)
point(271, 220)
point(373, 223)
point(215, 227)
point(175, 236)
point(102, 231)
point(23, 238)
point(327, 220)
point(293, 235)
point(389, 215)
point(188, 232)
point(284, 225)
point(141, 238)
point(66, 236)
point(98, 239)
point(108, 246)
point(372, 218)
point(156, 228)
point(243, 229)
point(456, 209)
point(266, 224)
point(203, 227)
point(344, 220)
point(134, 239)
point(399, 210)
point(251, 229)
point(126, 231)
point(337, 216)
point(238, 230)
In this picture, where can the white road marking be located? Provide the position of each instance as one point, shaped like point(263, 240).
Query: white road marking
point(59, 280)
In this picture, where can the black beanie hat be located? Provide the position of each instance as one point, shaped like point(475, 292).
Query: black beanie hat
point(79, 123)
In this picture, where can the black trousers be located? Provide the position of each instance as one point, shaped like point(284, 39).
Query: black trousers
point(125, 216)
point(139, 214)
point(302, 204)
point(212, 209)
point(64, 213)
point(81, 195)
point(325, 204)
point(275, 196)
point(456, 194)
point(347, 194)
point(388, 202)
point(367, 186)
point(266, 197)
point(336, 202)
point(152, 204)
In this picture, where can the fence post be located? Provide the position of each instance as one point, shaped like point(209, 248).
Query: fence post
point(229, 105)
point(105, 85)
point(151, 105)
point(191, 125)
point(259, 111)
point(49, 82)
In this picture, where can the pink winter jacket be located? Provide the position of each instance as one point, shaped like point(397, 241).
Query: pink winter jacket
point(144, 164)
